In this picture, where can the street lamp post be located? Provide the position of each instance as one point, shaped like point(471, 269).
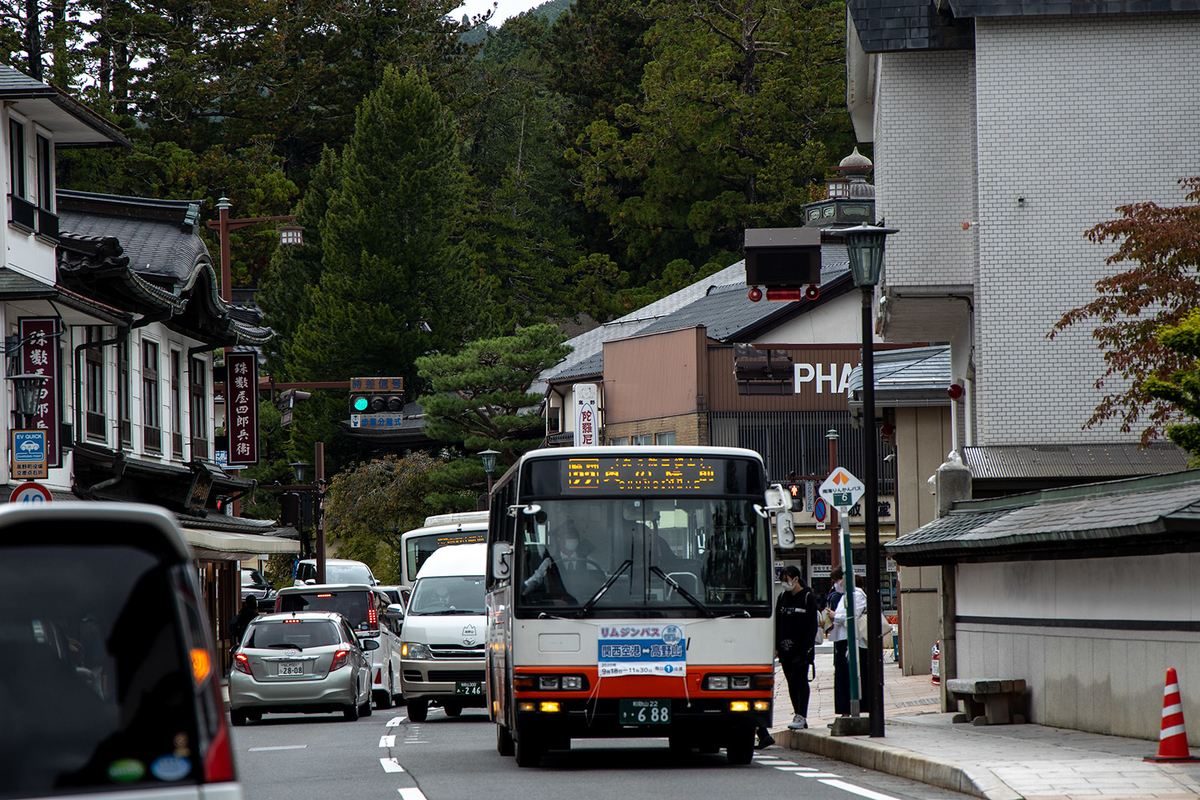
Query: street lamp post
point(289, 234)
point(865, 245)
point(489, 466)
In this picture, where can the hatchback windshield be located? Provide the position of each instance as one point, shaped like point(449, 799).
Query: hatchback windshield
point(95, 680)
point(703, 554)
point(293, 633)
point(351, 604)
point(448, 595)
point(349, 573)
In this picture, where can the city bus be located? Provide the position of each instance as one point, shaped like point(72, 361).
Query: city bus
point(629, 594)
point(467, 527)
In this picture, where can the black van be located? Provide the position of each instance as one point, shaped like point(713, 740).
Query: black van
point(108, 680)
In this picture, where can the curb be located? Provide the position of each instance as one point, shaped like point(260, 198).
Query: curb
point(870, 754)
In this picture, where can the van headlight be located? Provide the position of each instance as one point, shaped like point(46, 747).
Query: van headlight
point(413, 650)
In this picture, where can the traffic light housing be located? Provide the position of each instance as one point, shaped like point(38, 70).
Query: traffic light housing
point(289, 397)
point(376, 403)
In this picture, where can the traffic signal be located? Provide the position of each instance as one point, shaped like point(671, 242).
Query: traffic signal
point(376, 403)
point(289, 397)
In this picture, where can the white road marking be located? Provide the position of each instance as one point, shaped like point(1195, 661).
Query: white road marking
point(411, 794)
point(858, 790)
point(394, 722)
point(797, 769)
point(387, 741)
point(817, 775)
point(279, 747)
point(390, 765)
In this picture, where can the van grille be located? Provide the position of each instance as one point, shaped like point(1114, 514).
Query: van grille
point(455, 651)
point(413, 675)
point(455, 674)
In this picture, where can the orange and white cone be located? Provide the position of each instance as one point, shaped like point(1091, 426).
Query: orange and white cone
point(1172, 739)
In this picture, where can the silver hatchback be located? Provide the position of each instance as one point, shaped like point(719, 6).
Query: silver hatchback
point(300, 662)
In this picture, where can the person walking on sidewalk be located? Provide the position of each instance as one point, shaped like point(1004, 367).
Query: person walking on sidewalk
point(841, 658)
point(795, 640)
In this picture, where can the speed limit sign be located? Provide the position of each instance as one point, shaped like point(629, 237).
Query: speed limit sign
point(30, 493)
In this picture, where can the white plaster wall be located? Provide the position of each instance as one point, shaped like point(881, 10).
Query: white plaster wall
point(925, 166)
point(838, 321)
point(1077, 115)
point(23, 251)
point(1106, 680)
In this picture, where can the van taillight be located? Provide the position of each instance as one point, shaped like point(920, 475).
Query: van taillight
point(218, 759)
point(372, 618)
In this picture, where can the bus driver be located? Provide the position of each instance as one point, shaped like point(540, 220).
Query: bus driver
point(546, 580)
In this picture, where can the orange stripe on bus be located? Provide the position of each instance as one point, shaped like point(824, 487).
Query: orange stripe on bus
point(664, 686)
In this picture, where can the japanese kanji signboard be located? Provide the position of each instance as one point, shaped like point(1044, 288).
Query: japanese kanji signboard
point(241, 408)
point(40, 356)
point(587, 428)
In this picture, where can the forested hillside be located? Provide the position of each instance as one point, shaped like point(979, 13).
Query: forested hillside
point(455, 181)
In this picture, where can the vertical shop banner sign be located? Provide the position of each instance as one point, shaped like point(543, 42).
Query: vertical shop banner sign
point(587, 427)
point(241, 408)
point(40, 356)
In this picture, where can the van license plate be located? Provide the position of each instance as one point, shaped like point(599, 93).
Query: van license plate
point(644, 712)
point(291, 669)
point(469, 688)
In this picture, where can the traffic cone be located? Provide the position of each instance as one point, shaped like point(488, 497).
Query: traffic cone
point(1172, 739)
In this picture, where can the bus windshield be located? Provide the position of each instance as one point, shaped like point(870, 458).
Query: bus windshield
point(699, 555)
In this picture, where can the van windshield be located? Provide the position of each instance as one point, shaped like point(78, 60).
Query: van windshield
point(88, 633)
point(448, 595)
point(351, 604)
point(349, 573)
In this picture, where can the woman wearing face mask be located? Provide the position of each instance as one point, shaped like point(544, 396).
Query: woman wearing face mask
point(795, 636)
point(841, 658)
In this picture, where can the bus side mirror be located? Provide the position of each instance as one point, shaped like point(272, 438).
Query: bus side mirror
point(784, 532)
point(778, 498)
point(502, 561)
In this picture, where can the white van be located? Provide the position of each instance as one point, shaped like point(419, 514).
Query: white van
point(445, 633)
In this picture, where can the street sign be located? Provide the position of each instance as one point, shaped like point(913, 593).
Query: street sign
point(842, 489)
point(30, 493)
point(28, 454)
point(376, 420)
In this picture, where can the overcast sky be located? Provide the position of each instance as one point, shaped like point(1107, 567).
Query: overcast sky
point(504, 9)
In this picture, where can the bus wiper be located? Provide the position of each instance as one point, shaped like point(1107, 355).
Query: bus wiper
point(684, 593)
point(607, 585)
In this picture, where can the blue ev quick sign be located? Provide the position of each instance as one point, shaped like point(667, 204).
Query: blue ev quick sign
point(641, 650)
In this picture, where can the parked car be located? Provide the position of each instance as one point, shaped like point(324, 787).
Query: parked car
point(256, 586)
point(306, 662)
point(337, 570)
point(108, 677)
point(366, 609)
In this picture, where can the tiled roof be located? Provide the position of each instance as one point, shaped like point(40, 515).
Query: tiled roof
point(14, 83)
point(73, 123)
point(1128, 515)
point(908, 25)
point(1073, 460)
point(918, 369)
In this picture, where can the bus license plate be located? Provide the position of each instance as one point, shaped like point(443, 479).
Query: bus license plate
point(644, 712)
point(291, 669)
point(469, 688)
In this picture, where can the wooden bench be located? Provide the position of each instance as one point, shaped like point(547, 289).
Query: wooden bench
point(987, 701)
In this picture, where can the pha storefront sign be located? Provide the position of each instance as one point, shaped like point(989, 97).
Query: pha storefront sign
point(40, 356)
point(587, 424)
point(241, 421)
point(831, 378)
point(641, 650)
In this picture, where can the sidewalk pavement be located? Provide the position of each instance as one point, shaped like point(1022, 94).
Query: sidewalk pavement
point(997, 762)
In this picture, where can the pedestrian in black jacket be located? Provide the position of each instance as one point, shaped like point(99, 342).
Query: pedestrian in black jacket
point(795, 640)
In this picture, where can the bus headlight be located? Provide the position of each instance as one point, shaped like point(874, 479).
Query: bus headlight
point(739, 705)
point(413, 650)
point(716, 683)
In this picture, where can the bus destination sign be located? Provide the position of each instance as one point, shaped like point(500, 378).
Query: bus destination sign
point(637, 474)
point(462, 537)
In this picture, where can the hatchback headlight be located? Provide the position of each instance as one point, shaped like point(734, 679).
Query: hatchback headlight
point(413, 650)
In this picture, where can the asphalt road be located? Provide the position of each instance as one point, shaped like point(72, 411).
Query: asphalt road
point(384, 756)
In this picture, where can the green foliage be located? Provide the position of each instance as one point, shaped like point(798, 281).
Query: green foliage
point(368, 508)
point(1183, 389)
point(1158, 292)
point(479, 398)
point(391, 285)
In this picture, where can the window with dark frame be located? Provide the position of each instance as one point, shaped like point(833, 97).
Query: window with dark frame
point(45, 175)
point(198, 394)
point(123, 415)
point(16, 158)
point(176, 404)
point(151, 403)
point(96, 423)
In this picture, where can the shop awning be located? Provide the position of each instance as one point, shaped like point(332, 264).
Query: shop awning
point(210, 545)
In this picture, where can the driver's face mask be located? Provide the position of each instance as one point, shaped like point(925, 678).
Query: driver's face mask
point(570, 545)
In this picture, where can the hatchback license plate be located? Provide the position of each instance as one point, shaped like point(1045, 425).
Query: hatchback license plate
point(291, 669)
point(469, 688)
point(644, 712)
